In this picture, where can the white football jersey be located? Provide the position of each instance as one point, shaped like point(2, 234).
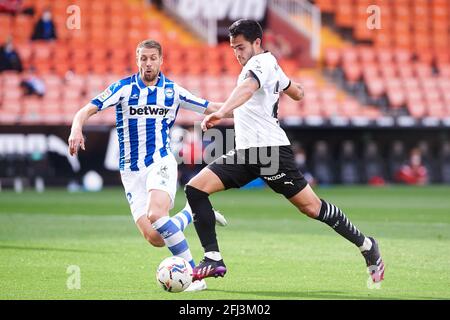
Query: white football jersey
point(255, 122)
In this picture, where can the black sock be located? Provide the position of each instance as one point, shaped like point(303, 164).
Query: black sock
point(336, 219)
point(204, 219)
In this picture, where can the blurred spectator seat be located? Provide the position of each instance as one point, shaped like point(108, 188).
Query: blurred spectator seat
point(322, 163)
point(444, 159)
point(373, 165)
point(349, 164)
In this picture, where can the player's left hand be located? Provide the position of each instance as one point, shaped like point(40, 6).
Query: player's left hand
point(211, 120)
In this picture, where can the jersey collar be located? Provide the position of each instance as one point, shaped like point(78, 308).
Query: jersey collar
point(159, 83)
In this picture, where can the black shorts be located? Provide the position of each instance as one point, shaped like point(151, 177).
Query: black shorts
point(275, 165)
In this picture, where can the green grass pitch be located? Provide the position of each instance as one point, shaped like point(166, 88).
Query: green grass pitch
point(271, 251)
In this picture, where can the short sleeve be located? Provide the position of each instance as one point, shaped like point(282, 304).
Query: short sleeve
point(110, 97)
point(191, 102)
point(258, 69)
point(285, 82)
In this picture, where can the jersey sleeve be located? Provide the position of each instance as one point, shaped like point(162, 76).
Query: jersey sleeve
point(110, 97)
point(258, 69)
point(191, 102)
point(285, 82)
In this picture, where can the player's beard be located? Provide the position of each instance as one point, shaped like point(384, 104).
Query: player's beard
point(150, 77)
point(251, 54)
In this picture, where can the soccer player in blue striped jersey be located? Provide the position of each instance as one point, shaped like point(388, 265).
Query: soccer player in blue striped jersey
point(146, 106)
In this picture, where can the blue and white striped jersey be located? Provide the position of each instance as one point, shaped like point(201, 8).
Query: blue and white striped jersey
point(144, 116)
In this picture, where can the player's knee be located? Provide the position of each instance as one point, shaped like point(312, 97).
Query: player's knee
point(193, 194)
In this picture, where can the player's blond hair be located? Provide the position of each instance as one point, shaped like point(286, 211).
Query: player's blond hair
point(149, 44)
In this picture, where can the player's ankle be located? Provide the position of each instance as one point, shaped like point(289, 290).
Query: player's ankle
point(366, 246)
point(213, 255)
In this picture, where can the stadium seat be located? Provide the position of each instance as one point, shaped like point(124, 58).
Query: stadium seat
point(8, 118)
point(366, 54)
point(411, 83)
point(402, 56)
point(436, 109)
point(25, 51)
point(328, 95)
point(444, 70)
point(344, 13)
point(350, 107)
point(6, 24)
point(31, 106)
point(428, 83)
point(53, 93)
point(349, 55)
point(384, 55)
point(70, 106)
point(349, 164)
point(289, 107)
point(331, 109)
point(405, 70)
point(12, 93)
point(388, 69)
point(382, 39)
point(60, 52)
point(214, 68)
point(71, 95)
point(394, 83)
point(312, 109)
point(403, 40)
point(417, 109)
point(375, 87)
point(432, 95)
point(396, 97)
point(444, 85)
point(370, 112)
point(360, 31)
point(22, 28)
point(11, 78)
point(352, 72)
point(414, 95)
point(98, 68)
point(442, 58)
point(326, 5)
point(446, 97)
point(422, 70)
point(370, 70)
point(75, 82)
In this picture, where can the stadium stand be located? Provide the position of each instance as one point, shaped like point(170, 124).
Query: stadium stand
point(402, 67)
point(76, 61)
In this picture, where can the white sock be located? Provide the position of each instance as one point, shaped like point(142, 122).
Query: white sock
point(173, 238)
point(213, 255)
point(366, 246)
point(183, 218)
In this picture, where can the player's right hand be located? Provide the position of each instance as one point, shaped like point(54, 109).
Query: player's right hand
point(211, 120)
point(76, 140)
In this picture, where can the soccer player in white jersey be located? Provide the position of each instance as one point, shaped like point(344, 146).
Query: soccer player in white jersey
point(254, 103)
point(146, 107)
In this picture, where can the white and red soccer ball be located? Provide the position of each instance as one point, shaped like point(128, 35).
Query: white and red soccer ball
point(174, 274)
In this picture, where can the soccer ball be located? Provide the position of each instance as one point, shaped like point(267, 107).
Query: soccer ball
point(92, 181)
point(174, 274)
